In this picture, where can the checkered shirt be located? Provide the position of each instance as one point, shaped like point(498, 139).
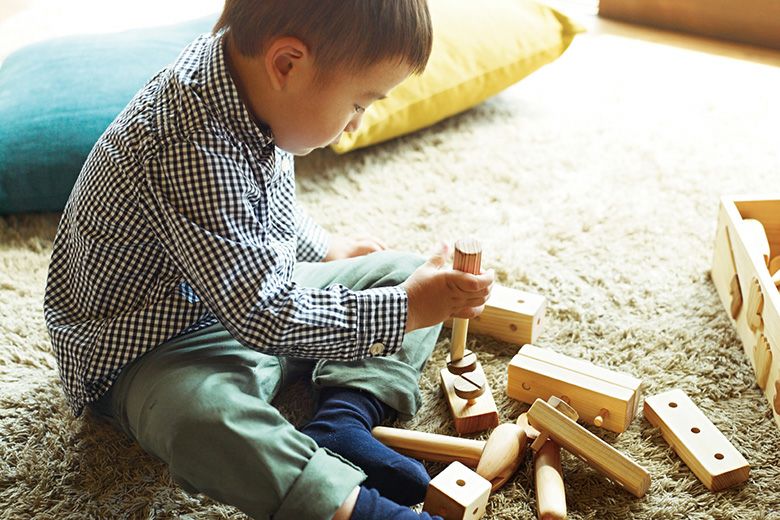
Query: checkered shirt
point(184, 214)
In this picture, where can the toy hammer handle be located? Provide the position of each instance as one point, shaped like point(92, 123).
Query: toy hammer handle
point(468, 258)
point(550, 494)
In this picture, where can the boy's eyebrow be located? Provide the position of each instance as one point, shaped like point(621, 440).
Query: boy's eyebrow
point(374, 95)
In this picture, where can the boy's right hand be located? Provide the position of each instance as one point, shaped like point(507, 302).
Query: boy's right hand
point(436, 294)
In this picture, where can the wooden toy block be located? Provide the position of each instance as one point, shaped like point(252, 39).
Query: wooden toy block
point(602, 397)
point(476, 412)
point(552, 423)
point(510, 315)
point(548, 476)
point(703, 448)
point(746, 226)
point(457, 493)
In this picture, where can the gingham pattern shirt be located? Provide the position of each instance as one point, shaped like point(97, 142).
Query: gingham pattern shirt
point(184, 215)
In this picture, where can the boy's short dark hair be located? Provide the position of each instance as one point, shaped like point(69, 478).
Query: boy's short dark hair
point(349, 34)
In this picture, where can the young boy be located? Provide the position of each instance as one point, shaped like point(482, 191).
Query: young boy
point(186, 286)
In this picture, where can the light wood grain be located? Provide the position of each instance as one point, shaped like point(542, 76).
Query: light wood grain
point(703, 448)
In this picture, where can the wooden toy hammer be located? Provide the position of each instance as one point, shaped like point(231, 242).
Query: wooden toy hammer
point(495, 460)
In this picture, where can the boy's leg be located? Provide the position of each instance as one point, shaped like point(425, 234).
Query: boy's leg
point(356, 396)
point(201, 404)
point(394, 380)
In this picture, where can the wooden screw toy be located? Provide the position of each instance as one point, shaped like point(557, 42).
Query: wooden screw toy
point(698, 442)
point(496, 459)
point(457, 493)
point(551, 422)
point(463, 380)
point(605, 398)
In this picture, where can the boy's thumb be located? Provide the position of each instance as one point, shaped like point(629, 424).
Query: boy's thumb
point(439, 257)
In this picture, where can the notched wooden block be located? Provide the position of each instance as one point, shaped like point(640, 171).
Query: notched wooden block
point(703, 448)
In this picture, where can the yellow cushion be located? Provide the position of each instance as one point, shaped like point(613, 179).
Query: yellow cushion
point(480, 48)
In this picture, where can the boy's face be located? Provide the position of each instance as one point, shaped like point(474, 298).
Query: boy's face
point(318, 112)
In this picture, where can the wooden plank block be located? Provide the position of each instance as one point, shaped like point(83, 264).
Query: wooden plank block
point(703, 448)
point(595, 452)
point(510, 315)
point(603, 397)
point(473, 415)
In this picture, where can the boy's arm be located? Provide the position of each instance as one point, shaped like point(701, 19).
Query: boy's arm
point(214, 222)
point(313, 241)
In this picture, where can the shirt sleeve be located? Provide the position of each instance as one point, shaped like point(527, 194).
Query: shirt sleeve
point(313, 241)
point(210, 211)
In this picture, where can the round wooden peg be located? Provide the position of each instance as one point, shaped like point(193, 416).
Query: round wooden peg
point(599, 419)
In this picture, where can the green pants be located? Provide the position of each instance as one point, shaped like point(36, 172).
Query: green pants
point(202, 404)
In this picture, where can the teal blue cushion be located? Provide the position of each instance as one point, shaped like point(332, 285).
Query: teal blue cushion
point(57, 97)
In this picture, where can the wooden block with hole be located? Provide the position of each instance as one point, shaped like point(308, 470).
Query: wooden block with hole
point(471, 412)
point(703, 448)
point(457, 493)
point(745, 263)
point(510, 315)
point(602, 397)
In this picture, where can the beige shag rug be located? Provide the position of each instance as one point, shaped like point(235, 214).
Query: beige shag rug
point(594, 182)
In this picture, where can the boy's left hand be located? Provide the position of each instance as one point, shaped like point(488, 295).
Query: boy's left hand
point(349, 247)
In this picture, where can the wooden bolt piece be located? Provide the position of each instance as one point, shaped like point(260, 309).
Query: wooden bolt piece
point(468, 258)
point(709, 454)
point(457, 493)
point(467, 363)
point(548, 475)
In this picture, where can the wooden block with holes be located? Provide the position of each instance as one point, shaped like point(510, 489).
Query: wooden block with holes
point(703, 448)
point(510, 315)
point(457, 493)
point(602, 397)
point(745, 268)
point(474, 412)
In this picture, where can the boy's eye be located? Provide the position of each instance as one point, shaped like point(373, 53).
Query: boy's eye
point(359, 109)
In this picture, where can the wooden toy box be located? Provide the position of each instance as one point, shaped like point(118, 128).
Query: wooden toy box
point(739, 270)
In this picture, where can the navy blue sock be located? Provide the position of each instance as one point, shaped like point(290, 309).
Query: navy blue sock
point(343, 424)
point(371, 506)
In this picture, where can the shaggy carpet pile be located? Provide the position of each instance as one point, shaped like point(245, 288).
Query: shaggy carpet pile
point(594, 182)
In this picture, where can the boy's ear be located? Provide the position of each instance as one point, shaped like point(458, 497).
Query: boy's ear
point(284, 58)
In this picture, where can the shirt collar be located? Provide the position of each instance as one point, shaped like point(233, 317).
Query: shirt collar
point(220, 91)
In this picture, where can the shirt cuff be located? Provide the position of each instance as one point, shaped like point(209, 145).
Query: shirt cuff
point(381, 324)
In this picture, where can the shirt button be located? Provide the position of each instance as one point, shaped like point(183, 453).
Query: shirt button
point(376, 349)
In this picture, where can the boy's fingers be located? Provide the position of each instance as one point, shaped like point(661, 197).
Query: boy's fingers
point(439, 257)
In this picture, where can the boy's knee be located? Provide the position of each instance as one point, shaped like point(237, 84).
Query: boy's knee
point(393, 267)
